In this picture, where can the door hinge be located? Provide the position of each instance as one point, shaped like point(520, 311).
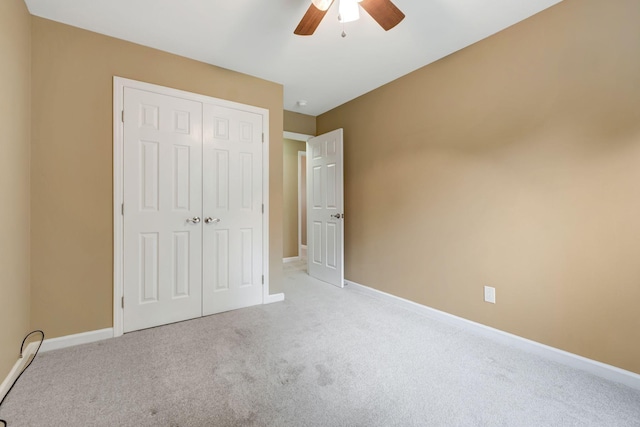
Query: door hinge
point(263, 279)
point(122, 116)
point(122, 209)
point(122, 302)
point(263, 137)
point(263, 208)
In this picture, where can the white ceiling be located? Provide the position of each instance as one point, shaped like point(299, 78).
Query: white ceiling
point(256, 37)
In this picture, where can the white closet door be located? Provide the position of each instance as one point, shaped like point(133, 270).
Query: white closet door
point(325, 208)
point(232, 185)
point(162, 207)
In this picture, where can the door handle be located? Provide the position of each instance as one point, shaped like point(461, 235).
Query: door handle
point(194, 220)
point(337, 216)
point(209, 220)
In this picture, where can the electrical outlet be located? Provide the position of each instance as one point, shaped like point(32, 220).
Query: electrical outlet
point(490, 294)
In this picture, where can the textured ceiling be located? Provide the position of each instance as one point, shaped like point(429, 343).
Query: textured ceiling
point(256, 37)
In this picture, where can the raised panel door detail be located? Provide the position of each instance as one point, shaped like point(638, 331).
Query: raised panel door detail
point(316, 152)
point(181, 255)
point(246, 132)
point(181, 177)
point(246, 177)
point(149, 174)
point(221, 128)
point(246, 254)
point(317, 242)
point(332, 252)
point(331, 186)
point(331, 148)
point(148, 281)
point(181, 120)
point(221, 260)
point(149, 116)
point(222, 179)
point(317, 188)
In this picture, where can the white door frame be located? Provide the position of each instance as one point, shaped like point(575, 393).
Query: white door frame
point(304, 138)
point(119, 84)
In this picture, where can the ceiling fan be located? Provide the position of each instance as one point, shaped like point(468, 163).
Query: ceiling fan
point(384, 12)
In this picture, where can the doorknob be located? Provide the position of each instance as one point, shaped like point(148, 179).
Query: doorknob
point(195, 219)
point(209, 220)
point(337, 216)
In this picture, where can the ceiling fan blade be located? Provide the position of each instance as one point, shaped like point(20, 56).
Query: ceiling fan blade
point(310, 20)
point(384, 12)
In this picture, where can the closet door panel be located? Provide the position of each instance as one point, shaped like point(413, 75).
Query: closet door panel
point(232, 204)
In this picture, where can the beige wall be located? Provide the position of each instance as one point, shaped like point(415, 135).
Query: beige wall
point(72, 163)
point(299, 123)
point(290, 195)
point(15, 118)
point(513, 163)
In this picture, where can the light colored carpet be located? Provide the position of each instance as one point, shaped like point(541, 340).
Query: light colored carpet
point(299, 265)
point(324, 357)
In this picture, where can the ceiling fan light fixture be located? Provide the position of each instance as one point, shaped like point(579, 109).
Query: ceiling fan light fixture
point(384, 12)
point(348, 10)
point(322, 4)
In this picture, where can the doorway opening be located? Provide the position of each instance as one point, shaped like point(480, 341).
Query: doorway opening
point(302, 204)
point(294, 196)
point(324, 178)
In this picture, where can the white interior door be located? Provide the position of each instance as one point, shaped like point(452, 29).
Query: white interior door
point(233, 209)
point(162, 206)
point(325, 208)
point(192, 229)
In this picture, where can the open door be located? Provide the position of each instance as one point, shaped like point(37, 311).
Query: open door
point(325, 208)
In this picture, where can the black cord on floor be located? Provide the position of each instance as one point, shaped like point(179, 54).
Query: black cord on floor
point(38, 331)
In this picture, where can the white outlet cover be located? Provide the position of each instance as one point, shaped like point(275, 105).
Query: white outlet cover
point(490, 294)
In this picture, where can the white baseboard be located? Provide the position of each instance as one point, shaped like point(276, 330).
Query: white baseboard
point(291, 259)
point(48, 345)
point(17, 368)
point(594, 367)
point(76, 339)
point(270, 299)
